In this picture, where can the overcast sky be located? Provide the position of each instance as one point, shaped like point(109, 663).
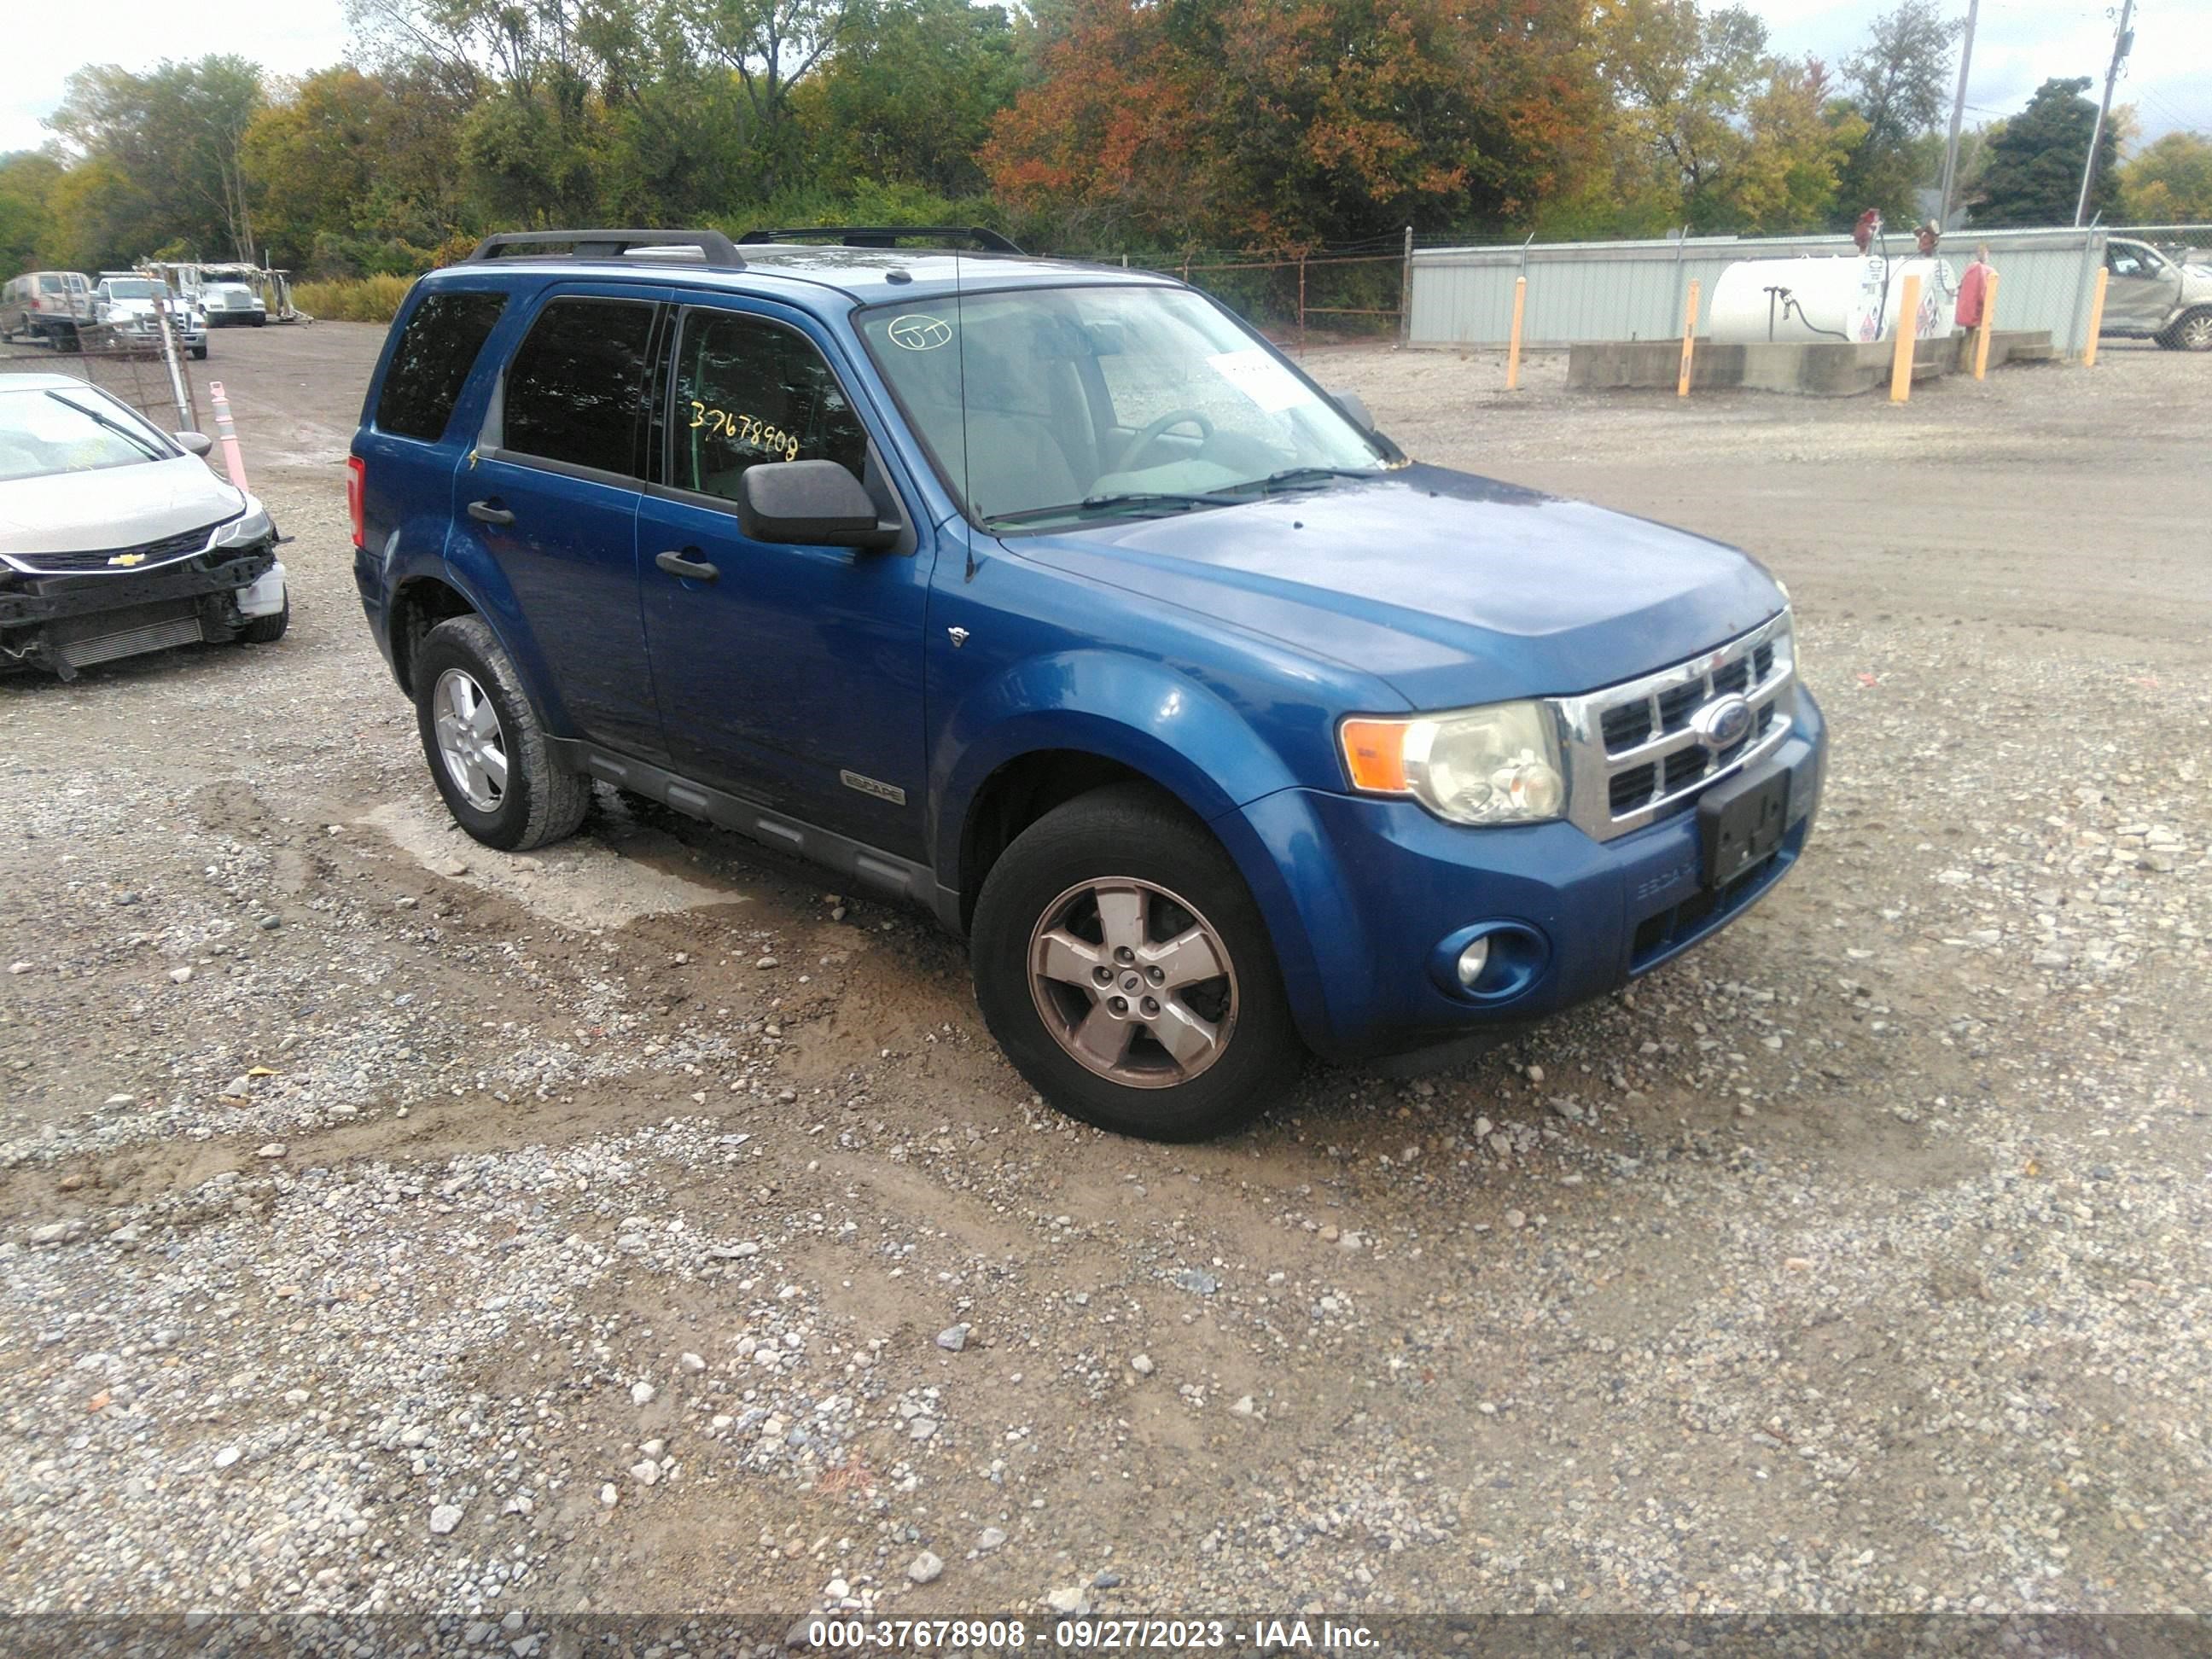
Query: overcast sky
point(2018, 44)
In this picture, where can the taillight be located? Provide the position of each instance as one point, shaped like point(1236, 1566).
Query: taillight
point(356, 481)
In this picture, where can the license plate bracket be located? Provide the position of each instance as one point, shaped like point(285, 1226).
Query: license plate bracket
point(1739, 822)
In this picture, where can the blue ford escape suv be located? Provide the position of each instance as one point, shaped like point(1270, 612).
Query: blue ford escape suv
point(1052, 597)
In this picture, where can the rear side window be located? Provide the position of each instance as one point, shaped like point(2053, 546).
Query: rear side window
point(576, 388)
point(436, 351)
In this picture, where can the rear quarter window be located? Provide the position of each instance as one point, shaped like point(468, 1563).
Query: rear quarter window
point(431, 364)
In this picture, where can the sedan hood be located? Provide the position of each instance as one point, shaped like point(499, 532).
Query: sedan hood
point(1452, 588)
point(113, 507)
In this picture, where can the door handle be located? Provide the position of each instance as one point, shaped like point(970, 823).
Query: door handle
point(485, 513)
point(676, 564)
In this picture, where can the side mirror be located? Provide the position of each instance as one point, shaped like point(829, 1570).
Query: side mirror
point(1355, 410)
point(193, 443)
point(809, 504)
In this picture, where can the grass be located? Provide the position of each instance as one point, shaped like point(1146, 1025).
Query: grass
point(355, 300)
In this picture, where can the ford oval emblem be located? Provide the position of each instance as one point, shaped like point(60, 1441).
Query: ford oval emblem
point(1723, 723)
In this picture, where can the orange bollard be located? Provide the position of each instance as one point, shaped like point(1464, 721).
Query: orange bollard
point(1908, 341)
point(1689, 340)
point(1513, 345)
point(2096, 318)
point(1982, 334)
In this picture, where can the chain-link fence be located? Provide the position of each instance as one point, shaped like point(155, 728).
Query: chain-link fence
point(1355, 290)
point(130, 365)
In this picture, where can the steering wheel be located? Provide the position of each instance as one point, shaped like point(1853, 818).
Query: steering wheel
point(1155, 430)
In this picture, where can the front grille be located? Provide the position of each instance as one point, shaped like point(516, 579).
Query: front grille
point(182, 545)
point(1634, 751)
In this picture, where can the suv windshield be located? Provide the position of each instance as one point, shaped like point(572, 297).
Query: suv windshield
point(55, 431)
point(1079, 401)
point(128, 288)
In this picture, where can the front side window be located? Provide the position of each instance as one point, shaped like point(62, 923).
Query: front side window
point(748, 390)
point(431, 363)
point(1039, 404)
point(576, 389)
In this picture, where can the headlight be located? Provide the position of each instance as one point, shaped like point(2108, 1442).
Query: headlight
point(249, 529)
point(1499, 765)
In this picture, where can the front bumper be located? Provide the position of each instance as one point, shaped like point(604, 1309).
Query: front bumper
point(1359, 893)
point(64, 623)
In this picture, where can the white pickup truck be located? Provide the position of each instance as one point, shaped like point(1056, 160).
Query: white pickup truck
point(2152, 296)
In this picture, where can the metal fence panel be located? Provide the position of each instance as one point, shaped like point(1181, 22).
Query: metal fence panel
point(1582, 291)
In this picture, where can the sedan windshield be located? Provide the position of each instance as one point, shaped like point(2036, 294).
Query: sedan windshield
point(1048, 406)
point(48, 432)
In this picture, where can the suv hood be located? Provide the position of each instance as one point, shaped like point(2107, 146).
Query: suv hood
point(113, 507)
point(1452, 588)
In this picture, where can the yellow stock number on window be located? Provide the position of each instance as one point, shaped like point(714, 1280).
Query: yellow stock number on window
point(744, 429)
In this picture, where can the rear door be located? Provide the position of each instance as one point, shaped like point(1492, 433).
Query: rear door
point(789, 675)
point(551, 494)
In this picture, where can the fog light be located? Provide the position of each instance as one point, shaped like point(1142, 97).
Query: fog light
point(1473, 960)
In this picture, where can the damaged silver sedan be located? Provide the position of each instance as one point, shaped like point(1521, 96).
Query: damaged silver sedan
point(116, 538)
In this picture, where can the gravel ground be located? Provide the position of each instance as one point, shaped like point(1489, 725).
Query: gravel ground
point(393, 1224)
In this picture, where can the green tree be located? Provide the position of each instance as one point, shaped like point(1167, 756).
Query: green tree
point(2032, 174)
point(907, 93)
point(2170, 182)
point(1681, 79)
point(1898, 85)
point(27, 187)
point(1798, 140)
point(176, 133)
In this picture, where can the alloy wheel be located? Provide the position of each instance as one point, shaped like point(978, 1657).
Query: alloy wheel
point(1132, 983)
point(469, 740)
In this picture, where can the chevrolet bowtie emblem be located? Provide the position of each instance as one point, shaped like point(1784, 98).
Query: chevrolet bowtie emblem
point(128, 559)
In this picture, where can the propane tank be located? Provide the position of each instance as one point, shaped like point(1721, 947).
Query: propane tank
point(1853, 300)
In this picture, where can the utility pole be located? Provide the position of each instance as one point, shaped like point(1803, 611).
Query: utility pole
point(1958, 114)
point(2122, 43)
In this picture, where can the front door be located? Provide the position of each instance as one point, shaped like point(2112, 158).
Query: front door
point(2141, 292)
point(791, 676)
point(551, 490)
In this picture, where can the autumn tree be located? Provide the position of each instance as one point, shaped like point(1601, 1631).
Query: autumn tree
point(2169, 182)
point(1276, 124)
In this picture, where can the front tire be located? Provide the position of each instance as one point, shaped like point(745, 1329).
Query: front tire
point(486, 748)
point(266, 630)
point(2192, 333)
point(1128, 975)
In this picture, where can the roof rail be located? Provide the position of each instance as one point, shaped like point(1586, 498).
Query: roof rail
point(884, 235)
point(714, 248)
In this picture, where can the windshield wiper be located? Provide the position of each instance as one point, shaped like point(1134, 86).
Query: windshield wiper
point(1305, 477)
point(107, 420)
point(1120, 501)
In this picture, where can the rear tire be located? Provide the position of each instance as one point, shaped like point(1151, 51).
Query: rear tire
point(485, 744)
point(1123, 883)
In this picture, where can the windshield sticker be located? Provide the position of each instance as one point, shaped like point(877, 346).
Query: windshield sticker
point(1261, 379)
point(916, 332)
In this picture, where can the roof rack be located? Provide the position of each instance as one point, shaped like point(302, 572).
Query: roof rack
point(714, 248)
point(884, 235)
